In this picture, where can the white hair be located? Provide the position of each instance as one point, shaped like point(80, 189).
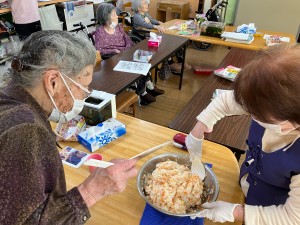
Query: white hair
point(103, 13)
point(136, 4)
point(44, 50)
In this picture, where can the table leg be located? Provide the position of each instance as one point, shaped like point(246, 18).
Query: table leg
point(155, 78)
point(237, 152)
point(182, 66)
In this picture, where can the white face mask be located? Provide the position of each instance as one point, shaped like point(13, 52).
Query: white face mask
point(58, 116)
point(276, 127)
point(113, 25)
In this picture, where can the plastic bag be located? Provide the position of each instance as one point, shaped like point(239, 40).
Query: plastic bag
point(69, 131)
point(165, 71)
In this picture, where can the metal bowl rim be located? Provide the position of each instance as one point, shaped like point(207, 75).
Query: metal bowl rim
point(178, 155)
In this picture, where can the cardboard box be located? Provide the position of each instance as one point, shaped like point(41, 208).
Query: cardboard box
point(98, 136)
point(154, 42)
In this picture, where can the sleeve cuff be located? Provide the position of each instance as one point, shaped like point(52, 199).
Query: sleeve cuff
point(78, 204)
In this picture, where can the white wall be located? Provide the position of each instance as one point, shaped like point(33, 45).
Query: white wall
point(275, 15)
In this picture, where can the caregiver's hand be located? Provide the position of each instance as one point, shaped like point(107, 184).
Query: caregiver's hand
point(220, 211)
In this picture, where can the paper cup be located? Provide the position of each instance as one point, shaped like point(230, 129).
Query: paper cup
point(96, 156)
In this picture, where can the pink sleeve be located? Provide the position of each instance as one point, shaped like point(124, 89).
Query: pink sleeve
point(127, 39)
point(97, 39)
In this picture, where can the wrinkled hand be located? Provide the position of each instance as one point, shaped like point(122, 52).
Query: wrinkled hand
point(218, 211)
point(160, 29)
point(106, 181)
point(194, 146)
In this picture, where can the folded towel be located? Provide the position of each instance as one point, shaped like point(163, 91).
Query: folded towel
point(153, 217)
point(237, 36)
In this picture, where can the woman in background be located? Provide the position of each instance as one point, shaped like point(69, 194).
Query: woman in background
point(26, 17)
point(142, 19)
point(111, 39)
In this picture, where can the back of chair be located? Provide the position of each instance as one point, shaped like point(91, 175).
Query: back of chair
point(98, 57)
point(49, 18)
point(124, 15)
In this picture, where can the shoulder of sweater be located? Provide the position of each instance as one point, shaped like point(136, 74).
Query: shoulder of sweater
point(15, 115)
point(137, 15)
point(100, 29)
point(120, 28)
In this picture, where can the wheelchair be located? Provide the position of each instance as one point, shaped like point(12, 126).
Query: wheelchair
point(212, 14)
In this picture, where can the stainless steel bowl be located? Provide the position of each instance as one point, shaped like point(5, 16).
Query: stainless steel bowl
point(211, 185)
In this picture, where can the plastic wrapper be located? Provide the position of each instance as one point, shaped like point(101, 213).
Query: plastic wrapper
point(69, 131)
point(246, 29)
point(142, 56)
point(230, 72)
point(275, 40)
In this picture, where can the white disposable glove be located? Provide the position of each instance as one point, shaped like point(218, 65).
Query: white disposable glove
point(217, 211)
point(194, 146)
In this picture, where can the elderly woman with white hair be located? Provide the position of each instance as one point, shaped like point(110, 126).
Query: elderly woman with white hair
point(50, 77)
point(111, 39)
point(142, 19)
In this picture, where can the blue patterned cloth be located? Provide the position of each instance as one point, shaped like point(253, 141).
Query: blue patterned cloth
point(153, 217)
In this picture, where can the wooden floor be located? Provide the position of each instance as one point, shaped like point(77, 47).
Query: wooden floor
point(167, 106)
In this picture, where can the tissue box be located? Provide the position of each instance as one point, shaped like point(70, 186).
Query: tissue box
point(154, 42)
point(98, 136)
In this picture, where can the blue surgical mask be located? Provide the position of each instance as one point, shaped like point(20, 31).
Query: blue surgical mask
point(58, 116)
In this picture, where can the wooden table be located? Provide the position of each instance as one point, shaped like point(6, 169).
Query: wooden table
point(127, 208)
point(108, 80)
point(258, 43)
point(230, 131)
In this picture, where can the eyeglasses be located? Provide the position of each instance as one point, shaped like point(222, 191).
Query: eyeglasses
point(78, 85)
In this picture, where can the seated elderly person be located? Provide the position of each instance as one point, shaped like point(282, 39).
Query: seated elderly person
point(110, 38)
point(49, 80)
point(142, 19)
